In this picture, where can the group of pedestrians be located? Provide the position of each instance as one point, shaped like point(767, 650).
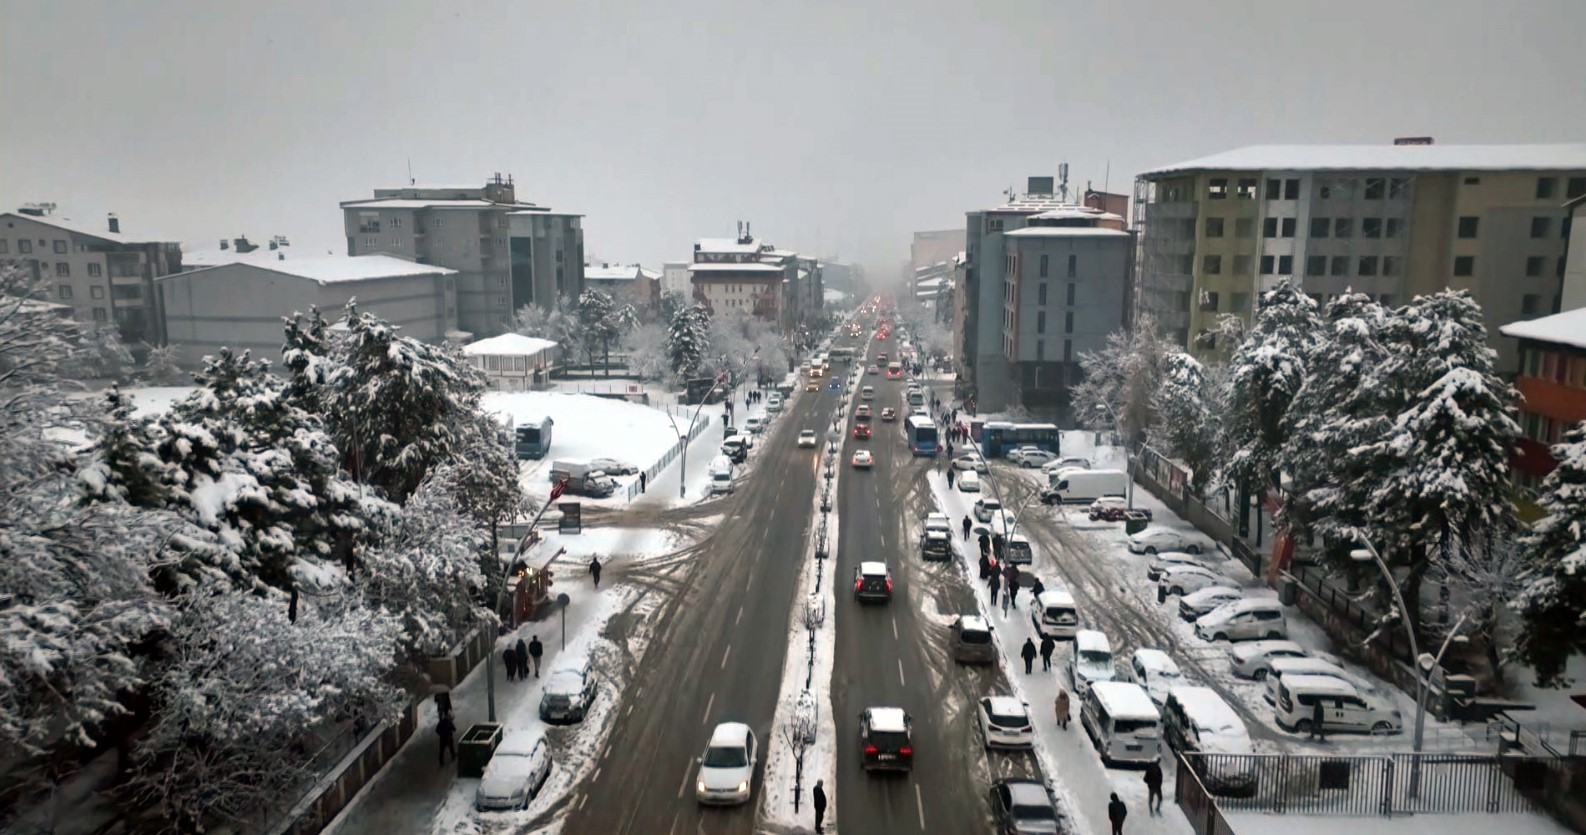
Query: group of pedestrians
point(519, 657)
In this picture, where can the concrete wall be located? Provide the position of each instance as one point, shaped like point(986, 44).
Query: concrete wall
point(1574, 289)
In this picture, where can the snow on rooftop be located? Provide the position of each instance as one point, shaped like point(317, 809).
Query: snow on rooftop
point(1073, 212)
point(335, 269)
point(888, 719)
point(874, 568)
point(508, 345)
point(263, 256)
point(99, 228)
point(1124, 699)
point(753, 267)
point(1567, 328)
point(1388, 158)
point(727, 245)
point(1065, 232)
point(611, 273)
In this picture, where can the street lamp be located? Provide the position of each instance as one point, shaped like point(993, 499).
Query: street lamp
point(1368, 553)
point(1424, 665)
point(682, 475)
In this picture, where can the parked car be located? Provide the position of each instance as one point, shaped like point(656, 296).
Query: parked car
point(1173, 559)
point(1091, 660)
point(1122, 722)
point(1112, 509)
point(1054, 614)
point(862, 459)
point(969, 482)
point(1156, 540)
point(1195, 720)
point(884, 739)
point(1196, 603)
point(889, 414)
point(1023, 807)
point(987, 508)
point(754, 425)
point(569, 691)
point(1254, 659)
point(1031, 457)
point(807, 438)
point(1251, 619)
point(516, 772)
point(1187, 578)
point(1343, 707)
point(613, 467)
point(726, 768)
point(861, 431)
point(1154, 670)
point(970, 461)
point(872, 582)
point(971, 640)
point(1005, 722)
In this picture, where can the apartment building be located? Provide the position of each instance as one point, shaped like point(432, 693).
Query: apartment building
point(934, 247)
point(749, 275)
point(506, 253)
point(675, 278)
point(1393, 221)
point(1552, 386)
point(104, 275)
point(628, 283)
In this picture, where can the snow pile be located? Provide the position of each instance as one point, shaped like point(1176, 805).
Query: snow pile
point(1465, 823)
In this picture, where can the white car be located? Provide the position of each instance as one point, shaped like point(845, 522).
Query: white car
point(807, 438)
point(754, 425)
point(1156, 540)
point(613, 467)
point(1155, 671)
point(1184, 579)
point(516, 772)
point(969, 482)
point(969, 461)
point(773, 404)
point(985, 509)
point(1174, 559)
point(863, 459)
point(1197, 603)
point(1005, 722)
point(726, 769)
point(1031, 457)
point(1254, 658)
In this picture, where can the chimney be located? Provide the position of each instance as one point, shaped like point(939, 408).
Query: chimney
point(224, 245)
point(243, 247)
point(115, 223)
point(274, 245)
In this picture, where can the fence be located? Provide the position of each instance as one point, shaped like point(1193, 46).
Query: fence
point(1170, 483)
point(361, 762)
point(1197, 804)
point(672, 453)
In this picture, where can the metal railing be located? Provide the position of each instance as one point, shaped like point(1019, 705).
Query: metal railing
point(1197, 803)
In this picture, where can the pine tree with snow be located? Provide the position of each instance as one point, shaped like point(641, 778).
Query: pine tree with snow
point(306, 356)
point(1265, 372)
point(559, 323)
point(482, 477)
point(160, 367)
point(688, 341)
point(1188, 414)
point(1553, 603)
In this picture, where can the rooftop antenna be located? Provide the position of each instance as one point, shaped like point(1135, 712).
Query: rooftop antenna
point(1106, 177)
point(411, 181)
point(1008, 193)
point(1062, 184)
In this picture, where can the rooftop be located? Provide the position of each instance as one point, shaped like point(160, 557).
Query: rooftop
point(1076, 213)
point(727, 245)
point(1567, 328)
point(508, 345)
point(1065, 232)
point(611, 272)
point(425, 203)
point(99, 228)
point(1124, 699)
point(888, 719)
point(1387, 158)
point(337, 269)
point(751, 267)
point(730, 734)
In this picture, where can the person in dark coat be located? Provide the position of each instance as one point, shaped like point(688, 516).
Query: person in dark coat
point(967, 525)
point(994, 583)
point(523, 660)
point(1153, 788)
point(446, 729)
point(594, 570)
point(998, 542)
point(1028, 654)
point(1062, 707)
point(443, 703)
point(1036, 587)
point(536, 650)
point(950, 474)
point(642, 480)
point(1318, 717)
point(1010, 595)
point(985, 565)
point(818, 797)
point(1047, 645)
point(1116, 812)
point(509, 657)
point(985, 544)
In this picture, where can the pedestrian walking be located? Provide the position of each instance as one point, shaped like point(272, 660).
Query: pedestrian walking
point(509, 657)
point(1028, 654)
point(1153, 788)
point(522, 652)
point(1317, 719)
point(985, 565)
point(818, 796)
point(995, 583)
point(1062, 708)
point(985, 544)
point(443, 703)
point(535, 651)
point(1007, 599)
point(997, 542)
point(594, 570)
point(1036, 587)
point(446, 729)
point(642, 479)
point(950, 472)
point(1116, 812)
point(1047, 645)
point(967, 525)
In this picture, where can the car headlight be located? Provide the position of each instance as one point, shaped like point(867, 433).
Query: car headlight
point(743, 786)
point(700, 786)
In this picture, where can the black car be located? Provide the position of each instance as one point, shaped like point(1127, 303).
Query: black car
point(884, 739)
point(873, 583)
point(1023, 807)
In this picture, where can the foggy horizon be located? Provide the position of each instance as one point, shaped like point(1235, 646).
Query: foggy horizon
point(835, 131)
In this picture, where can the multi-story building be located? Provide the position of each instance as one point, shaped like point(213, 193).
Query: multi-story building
point(749, 275)
point(675, 278)
point(506, 253)
point(1552, 386)
point(628, 283)
point(240, 305)
point(1392, 221)
point(1044, 281)
point(102, 274)
point(1573, 293)
point(934, 247)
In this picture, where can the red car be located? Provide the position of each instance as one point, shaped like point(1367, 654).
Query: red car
point(861, 431)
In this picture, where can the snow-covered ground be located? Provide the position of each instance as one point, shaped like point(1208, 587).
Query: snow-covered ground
point(614, 546)
point(153, 400)
point(1468, 823)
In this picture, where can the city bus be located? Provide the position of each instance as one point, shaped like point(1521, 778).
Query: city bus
point(919, 433)
point(894, 370)
point(842, 355)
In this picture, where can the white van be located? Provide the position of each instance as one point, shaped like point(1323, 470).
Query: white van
point(968, 481)
point(1343, 706)
point(1122, 722)
point(773, 403)
point(1195, 720)
point(1091, 661)
point(867, 393)
point(1054, 614)
point(1277, 668)
point(916, 398)
point(1069, 486)
point(1250, 619)
point(1017, 550)
point(721, 475)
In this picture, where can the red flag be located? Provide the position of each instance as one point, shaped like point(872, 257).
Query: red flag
point(558, 489)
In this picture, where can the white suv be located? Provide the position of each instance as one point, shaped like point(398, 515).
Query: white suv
point(807, 438)
point(1031, 457)
point(986, 509)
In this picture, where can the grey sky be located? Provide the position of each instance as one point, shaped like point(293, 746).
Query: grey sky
point(838, 127)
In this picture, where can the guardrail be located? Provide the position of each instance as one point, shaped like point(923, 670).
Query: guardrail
point(1197, 803)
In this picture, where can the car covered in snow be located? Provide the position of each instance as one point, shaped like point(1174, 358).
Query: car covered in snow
point(889, 414)
point(863, 460)
point(861, 431)
point(569, 691)
point(1023, 807)
point(1061, 464)
point(1112, 509)
point(726, 768)
point(1154, 670)
point(1005, 722)
point(613, 467)
point(1251, 619)
point(1197, 603)
point(807, 438)
point(969, 462)
point(1195, 720)
point(1157, 540)
point(1173, 559)
point(1254, 659)
point(969, 482)
point(1091, 660)
point(1183, 579)
point(1031, 457)
point(884, 739)
point(986, 509)
point(516, 772)
point(754, 425)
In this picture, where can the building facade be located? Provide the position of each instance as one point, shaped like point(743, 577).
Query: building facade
point(675, 278)
point(1552, 386)
point(629, 283)
point(1573, 293)
point(512, 361)
point(105, 276)
point(240, 305)
point(935, 247)
point(1391, 221)
point(506, 253)
point(747, 275)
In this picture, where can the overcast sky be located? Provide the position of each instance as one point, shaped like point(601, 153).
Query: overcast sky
point(833, 128)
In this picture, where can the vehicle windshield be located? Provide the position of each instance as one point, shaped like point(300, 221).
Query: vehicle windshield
point(725, 757)
point(1010, 721)
point(1093, 658)
point(1139, 727)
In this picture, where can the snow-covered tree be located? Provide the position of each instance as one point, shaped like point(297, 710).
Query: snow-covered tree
point(1483, 576)
point(1265, 372)
point(248, 696)
point(159, 364)
point(746, 347)
point(483, 479)
point(103, 357)
point(646, 349)
point(558, 323)
point(671, 302)
point(688, 341)
point(1188, 414)
point(306, 355)
point(602, 321)
point(1121, 380)
point(1553, 604)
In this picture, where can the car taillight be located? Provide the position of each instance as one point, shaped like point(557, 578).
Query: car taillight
point(905, 751)
point(859, 584)
point(870, 750)
point(889, 584)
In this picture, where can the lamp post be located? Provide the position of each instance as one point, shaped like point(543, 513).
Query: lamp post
point(682, 475)
point(1368, 553)
point(1423, 672)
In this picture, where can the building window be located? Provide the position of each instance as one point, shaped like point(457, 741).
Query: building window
point(1340, 265)
point(1390, 265)
point(1574, 187)
point(1398, 187)
point(1465, 265)
point(1320, 226)
point(1073, 266)
point(1285, 265)
point(1217, 189)
point(1212, 264)
point(1324, 189)
point(1070, 294)
point(1041, 293)
point(1241, 265)
point(1371, 227)
point(1239, 303)
point(1376, 187)
point(1274, 189)
point(96, 292)
point(5, 246)
point(1268, 263)
point(1068, 322)
point(1393, 227)
point(24, 247)
point(1541, 226)
point(1288, 227)
point(100, 315)
point(1468, 226)
point(1342, 228)
point(1546, 187)
point(63, 269)
point(64, 291)
point(1530, 304)
point(1291, 189)
point(94, 271)
point(1316, 265)
point(1269, 227)
point(1043, 266)
point(1368, 265)
point(1535, 265)
point(1247, 188)
point(1214, 227)
point(1209, 298)
point(1068, 350)
point(1040, 350)
point(1472, 181)
point(1040, 321)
